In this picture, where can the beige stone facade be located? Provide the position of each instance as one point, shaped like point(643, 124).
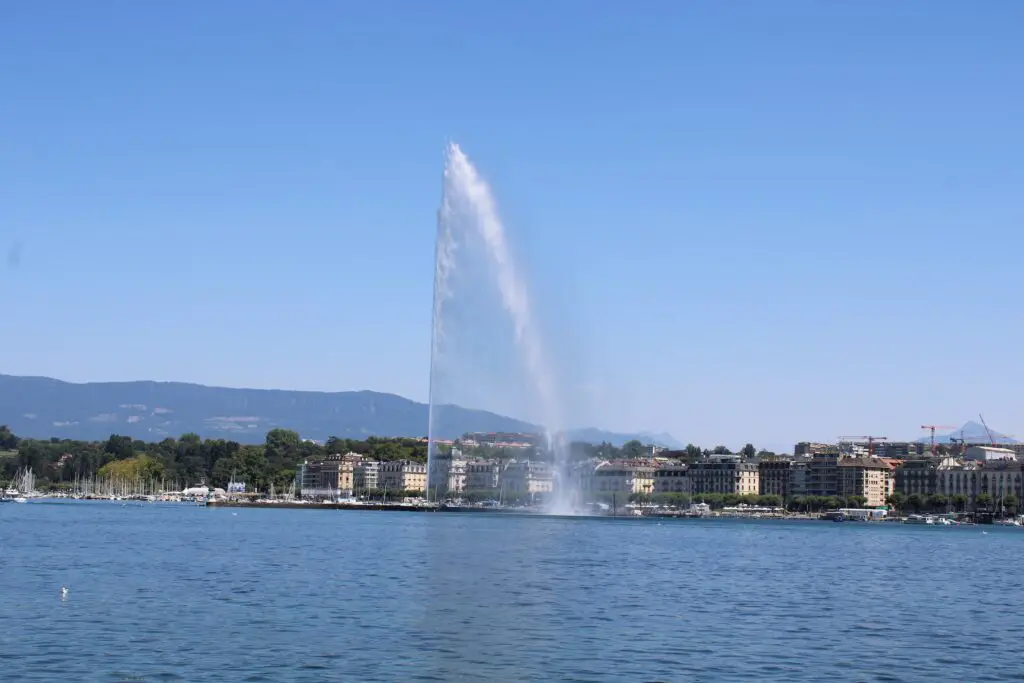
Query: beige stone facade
point(621, 476)
point(403, 475)
point(526, 477)
point(482, 475)
point(871, 478)
point(724, 474)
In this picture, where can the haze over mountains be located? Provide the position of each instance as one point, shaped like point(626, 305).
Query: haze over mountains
point(41, 407)
point(971, 432)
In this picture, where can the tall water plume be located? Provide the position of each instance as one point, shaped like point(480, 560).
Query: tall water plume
point(485, 340)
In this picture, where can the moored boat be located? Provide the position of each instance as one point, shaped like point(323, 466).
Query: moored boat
point(919, 519)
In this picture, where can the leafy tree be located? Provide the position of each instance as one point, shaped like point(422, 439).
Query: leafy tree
point(281, 446)
point(915, 502)
point(748, 451)
point(960, 501)
point(120, 447)
point(334, 446)
point(692, 452)
point(1011, 502)
point(387, 451)
point(252, 466)
point(8, 441)
point(190, 462)
point(223, 471)
point(721, 450)
point(896, 500)
point(139, 468)
point(307, 450)
point(983, 501)
point(633, 450)
point(216, 450)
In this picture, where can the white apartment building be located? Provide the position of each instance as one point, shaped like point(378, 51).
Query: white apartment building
point(526, 477)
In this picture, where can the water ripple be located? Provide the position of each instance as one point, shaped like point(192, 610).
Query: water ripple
point(164, 593)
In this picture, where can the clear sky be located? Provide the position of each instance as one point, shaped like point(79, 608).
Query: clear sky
point(756, 221)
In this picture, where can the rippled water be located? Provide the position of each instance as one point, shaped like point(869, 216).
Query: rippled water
point(169, 593)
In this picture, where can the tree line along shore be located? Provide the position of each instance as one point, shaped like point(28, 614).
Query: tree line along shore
point(58, 463)
point(175, 463)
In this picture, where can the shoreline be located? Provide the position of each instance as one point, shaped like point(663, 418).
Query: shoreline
point(378, 507)
point(983, 520)
point(525, 512)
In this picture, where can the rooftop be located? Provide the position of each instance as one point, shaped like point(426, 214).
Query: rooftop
point(865, 462)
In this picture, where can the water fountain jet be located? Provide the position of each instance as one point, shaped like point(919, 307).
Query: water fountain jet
point(468, 226)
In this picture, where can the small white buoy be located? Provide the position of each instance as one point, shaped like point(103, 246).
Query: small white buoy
point(64, 592)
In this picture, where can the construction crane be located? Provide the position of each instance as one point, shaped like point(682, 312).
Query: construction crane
point(963, 443)
point(933, 428)
point(988, 431)
point(870, 439)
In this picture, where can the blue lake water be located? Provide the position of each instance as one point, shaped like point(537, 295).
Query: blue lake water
point(180, 593)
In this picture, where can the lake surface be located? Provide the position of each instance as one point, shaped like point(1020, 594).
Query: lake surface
point(182, 593)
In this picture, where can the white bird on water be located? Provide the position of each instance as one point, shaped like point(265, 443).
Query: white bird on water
point(64, 592)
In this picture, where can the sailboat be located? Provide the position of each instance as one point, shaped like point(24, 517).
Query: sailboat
point(21, 488)
point(7, 495)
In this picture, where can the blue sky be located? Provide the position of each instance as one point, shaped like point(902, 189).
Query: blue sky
point(745, 221)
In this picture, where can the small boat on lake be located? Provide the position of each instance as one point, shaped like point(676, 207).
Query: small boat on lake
point(919, 519)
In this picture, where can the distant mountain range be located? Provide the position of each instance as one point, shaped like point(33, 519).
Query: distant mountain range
point(41, 407)
point(973, 432)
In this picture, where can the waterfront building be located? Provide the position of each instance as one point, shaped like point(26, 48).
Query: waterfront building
point(447, 473)
point(482, 475)
point(997, 478)
point(366, 476)
point(798, 478)
point(775, 476)
point(346, 478)
point(917, 477)
point(868, 477)
point(581, 473)
point(823, 475)
point(328, 478)
point(989, 453)
point(724, 474)
point(671, 477)
point(402, 475)
point(521, 477)
point(621, 476)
